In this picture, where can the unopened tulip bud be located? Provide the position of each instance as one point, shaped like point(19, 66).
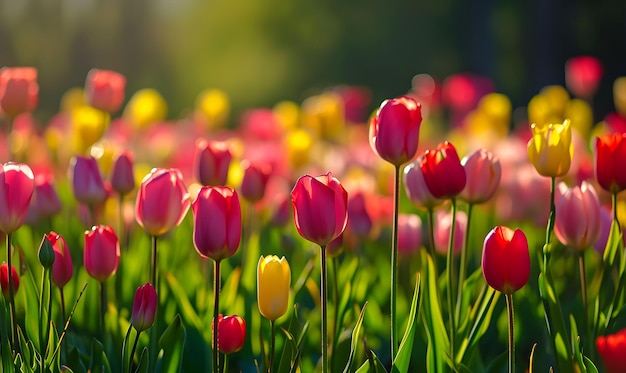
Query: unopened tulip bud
point(483, 172)
point(273, 285)
point(443, 173)
point(46, 253)
point(102, 252)
point(4, 279)
point(144, 307)
point(17, 183)
point(231, 333)
point(122, 175)
point(255, 178)
point(612, 351)
point(550, 149)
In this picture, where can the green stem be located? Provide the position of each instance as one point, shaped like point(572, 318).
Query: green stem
point(49, 283)
point(334, 263)
point(270, 365)
point(41, 308)
point(122, 230)
point(509, 307)
point(431, 237)
point(132, 352)
point(11, 292)
point(216, 310)
point(614, 206)
point(450, 271)
point(324, 311)
point(62, 306)
point(153, 349)
point(394, 264)
point(550, 227)
point(153, 265)
point(463, 264)
point(583, 289)
point(103, 310)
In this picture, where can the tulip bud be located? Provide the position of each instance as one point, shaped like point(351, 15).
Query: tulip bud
point(443, 173)
point(211, 162)
point(255, 178)
point(102, 252)
point(578, 221)
point(87, 183)
point(104, 90)
point(409, 234)
point(483, 173)
point(550, 149)
point(122, 176)
point(612, 351)
point(62, 267)
point(416, 188)
point(19, 91)
point(4, 279)
point(144, 307)
point(610, 152)
point(273, 285)
point(506, 261)
point(46, 253)
point(231, 333)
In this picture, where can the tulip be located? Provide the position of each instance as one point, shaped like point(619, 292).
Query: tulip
point(104, 90)
point(442, 170)
point(578, 221)
point(394, 130)
point(273, 284)
point(409, 234)
point(17, 183)
point(255, 178)
point(324, 115)
point(211, 162)
point(45, 202)
point(442, 231)
point(612, 351)
point(483, 172)
point(19, 91)
point(88, 127)
point(145, 107)
point(216, 222)
point(232, 333)
point(102, 252)
point(87, 183)
point(122, 176)
point(144, 307)
point(62, 267)
point(582, 75)
point(606, 220)
point(506, 261)
point(320, 208)
point(359, 218)
point(550, 149)
point(416, 188)
point(214, 104)
point(4, 279)
point(610, 152)
point(162, 201)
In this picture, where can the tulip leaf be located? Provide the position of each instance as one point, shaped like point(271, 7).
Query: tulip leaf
point(356, 332)
point(531, 360)
point(403, 358)
point(555, 323)
point(31, 299)
point(292, 349)
point(589, 365)
point(99, 362)
point(172, 342)
point(372, 364)
point(144, 365)
point(481, 314)
point(186, 309)
point(437, 335)
point(575, 341)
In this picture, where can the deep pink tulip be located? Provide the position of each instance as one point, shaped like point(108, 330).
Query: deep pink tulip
point(578, 221)
point(255, 178)
point(416, 188)
point(506, 261)
point(211, 162)
point(62, 269)
point(87, 183)
point(231, 332)
point(162, 201)
point(409, 234)
point(122, 175)
point(19, 91)
point(4, 279)
point(104, 90)
point(144, 307)
point(17, 183)
point(102, 252)
point(45, 202)
point(582, 75)
point(483, 173)
point(443, 173)
point(216, 222)
point(359, 218)
point(320, 206)
point(443, 223)
point(394, 130)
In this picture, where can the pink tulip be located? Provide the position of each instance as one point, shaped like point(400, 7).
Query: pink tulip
point(483, 172)
point(443, 173)
point(606, 220)
point(255, 178)
point(19, 91)
point(45, 202)
point(16, 189)
point(582, 75)
point(87, 183)
point(359, 218)
point(102, 252)
point(122, 175)
point(162, 201)
point(216, 222)
point(211, 162)
point(144, 307)
point(104, 90)
point(4, 279)
point(443, 223)
point(394, 130)
point(320, 207)
point(578, 221)
point(409, 234)
point(416, 188)
point(62, 267)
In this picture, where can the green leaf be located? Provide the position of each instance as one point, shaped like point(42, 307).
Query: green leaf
point(481, 316)
point(575, 341)
point(589, 365)
point(31, 298)
point(532, 359)
point(403, 358)
point(437, 352)
point(556, 325)
point(355, 339)
point(144, 364)
point(187, 310)
point(372, 364)
point(99, 362)
point(172, 342)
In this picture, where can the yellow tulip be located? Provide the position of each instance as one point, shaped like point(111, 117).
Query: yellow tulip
point(145, 107)
point(214, 105)
point(550, 149)
point(273, 284)
point(88, 126)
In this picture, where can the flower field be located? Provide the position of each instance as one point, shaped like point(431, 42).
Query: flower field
point(437, 231)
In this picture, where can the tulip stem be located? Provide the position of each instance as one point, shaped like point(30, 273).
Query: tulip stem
point(463, 264)
point(324, 311)
point(509, 307)
point(335, 264)
point(614, 207)
point(583, 290)
point(62, 306)
point(11, 292)
point(132, 352)
point(431, 237)
point(103, 308)
point(270, 365)
point(153, 266)
point(394, 263)
point(550, 227)
point(450, 271)
point(216, 310)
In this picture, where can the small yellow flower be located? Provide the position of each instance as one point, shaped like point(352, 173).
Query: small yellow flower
point(273, 284)
point(550, 149)
point(214, 105)
point(145, 107)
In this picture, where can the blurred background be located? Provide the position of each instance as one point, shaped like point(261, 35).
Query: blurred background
point(262, 52)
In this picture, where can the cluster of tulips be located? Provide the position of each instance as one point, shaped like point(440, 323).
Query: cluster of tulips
point(534, 198)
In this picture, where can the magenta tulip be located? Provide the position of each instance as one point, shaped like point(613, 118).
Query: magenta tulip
point(144, 307)
point(62, 269)
point(255, 178)
point(211, 162)
point(87, 183)
point(443, 224)
point(122, 175)
point(102, 252)
point(45, 202)
point(17, 183)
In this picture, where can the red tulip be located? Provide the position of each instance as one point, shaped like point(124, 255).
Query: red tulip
point(578, 221)
point(16, 189)
point(144, 307)
point(320, 206)
point(4, 279)
point(506, 261)
point(612, 351)
point(483, 173)
point(216, 222)
point(416, 188)
point(102, 252)
point(582, 75)
point(610, 152)
point(231, 332)
point(162, 201)
point(87, 183)
point(211, 162)
point(394, 130)
point(19, 91)
point(443, 173)
point(122, 175)
point(104, 90)
point(255, 178)
point(62, 266)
